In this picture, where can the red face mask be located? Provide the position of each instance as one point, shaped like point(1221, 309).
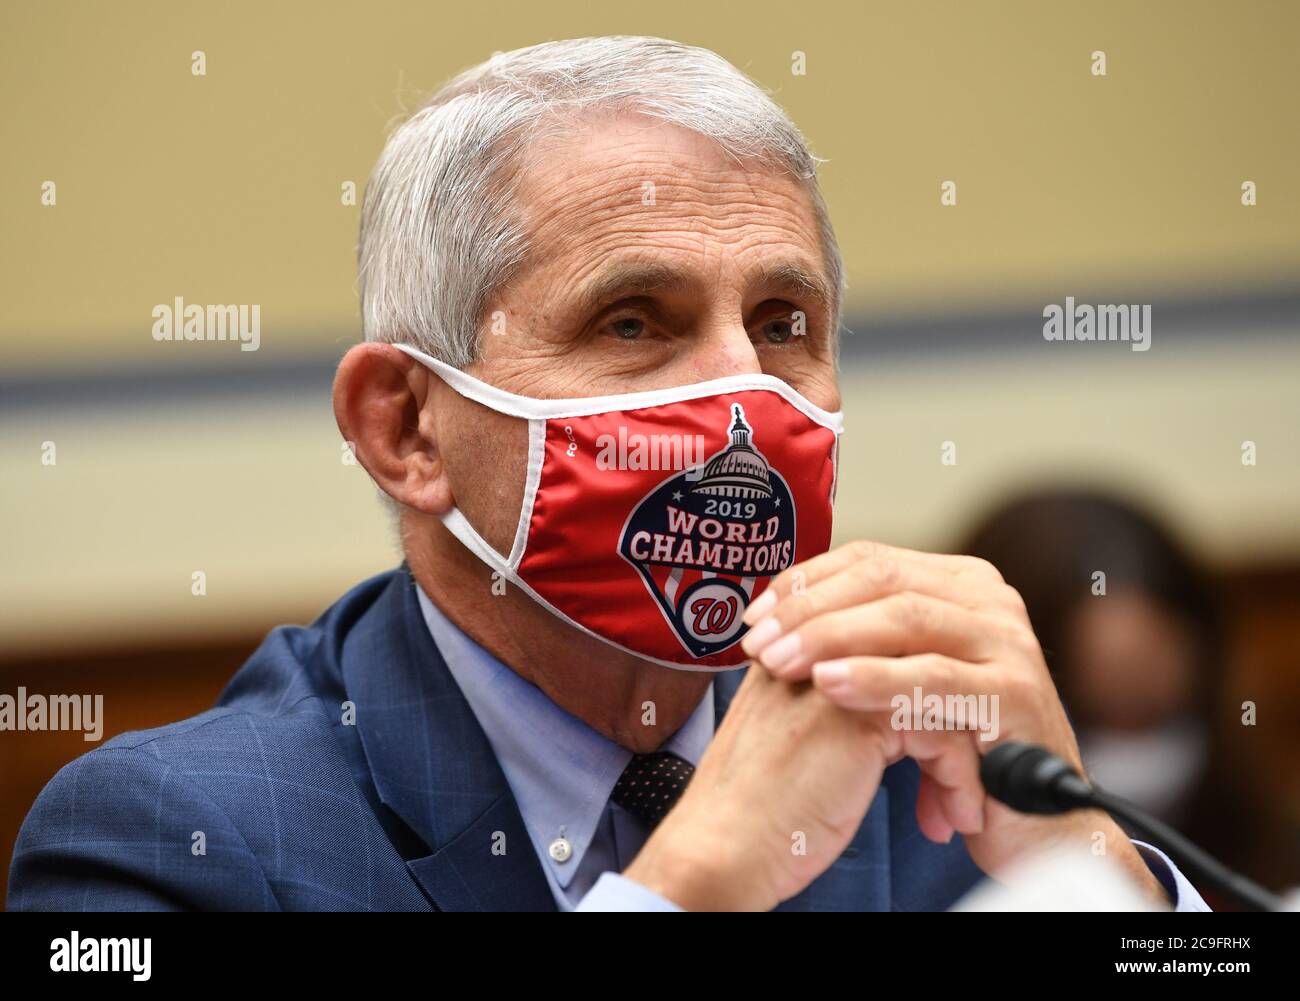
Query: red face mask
point(652, 520)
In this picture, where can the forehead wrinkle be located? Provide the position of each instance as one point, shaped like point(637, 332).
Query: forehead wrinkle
point(580, 246)
point(610, 194)
point(572, 223)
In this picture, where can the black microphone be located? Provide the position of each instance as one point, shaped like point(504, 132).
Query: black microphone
point(1032, 779)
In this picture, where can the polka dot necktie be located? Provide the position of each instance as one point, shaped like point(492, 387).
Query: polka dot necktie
point(651, 784)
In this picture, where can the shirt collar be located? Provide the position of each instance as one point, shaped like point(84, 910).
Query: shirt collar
point(559, 768)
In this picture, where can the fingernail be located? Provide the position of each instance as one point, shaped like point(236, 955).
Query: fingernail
point(760, 636)
point(830, 674)
point(763, 604)
point(781, 653)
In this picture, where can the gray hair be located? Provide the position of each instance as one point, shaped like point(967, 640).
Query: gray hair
point(439, 234)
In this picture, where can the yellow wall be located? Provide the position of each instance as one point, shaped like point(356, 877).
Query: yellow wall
point(225, 188)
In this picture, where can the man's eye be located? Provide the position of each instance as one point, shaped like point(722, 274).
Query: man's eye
point(629, 328)
point(778, 331)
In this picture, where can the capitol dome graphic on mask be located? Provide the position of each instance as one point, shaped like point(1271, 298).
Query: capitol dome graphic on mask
point(705, 537)
point(739, 471)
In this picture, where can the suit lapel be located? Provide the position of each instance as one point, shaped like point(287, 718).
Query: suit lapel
point(433, 766)
point(859, 879)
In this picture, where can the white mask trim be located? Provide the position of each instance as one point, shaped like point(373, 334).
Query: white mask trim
point(460, 527)
point(536, 456)
point(532, 409)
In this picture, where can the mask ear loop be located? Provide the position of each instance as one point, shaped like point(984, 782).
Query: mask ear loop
point(471, 388)
point(499, 401)
point(459, 526)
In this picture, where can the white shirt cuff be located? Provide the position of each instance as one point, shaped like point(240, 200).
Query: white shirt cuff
point(1181, 891)
point(613, 892)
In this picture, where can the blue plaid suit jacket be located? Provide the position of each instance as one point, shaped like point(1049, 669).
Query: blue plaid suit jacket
point(297, 808)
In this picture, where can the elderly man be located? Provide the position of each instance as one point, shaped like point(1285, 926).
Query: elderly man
point(601, 295)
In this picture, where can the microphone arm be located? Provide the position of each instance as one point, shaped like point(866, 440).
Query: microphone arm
point(1031, 779)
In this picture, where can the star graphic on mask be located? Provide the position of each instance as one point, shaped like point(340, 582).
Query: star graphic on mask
point(778, 501)
point(677, 495)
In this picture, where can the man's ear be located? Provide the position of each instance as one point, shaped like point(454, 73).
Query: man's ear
point(382, 403)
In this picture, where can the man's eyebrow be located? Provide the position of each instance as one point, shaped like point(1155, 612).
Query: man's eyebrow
point(623, 281)
point(793, 280)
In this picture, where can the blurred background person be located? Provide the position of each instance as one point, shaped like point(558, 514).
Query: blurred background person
point(1132, 631)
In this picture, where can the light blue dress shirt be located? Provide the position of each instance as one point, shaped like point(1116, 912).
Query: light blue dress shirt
point(562, 773)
